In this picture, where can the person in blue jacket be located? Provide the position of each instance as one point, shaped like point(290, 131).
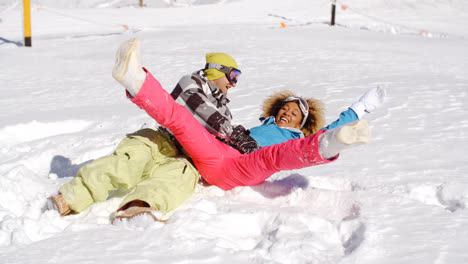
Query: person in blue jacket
point(287, 116)
point(289, 138)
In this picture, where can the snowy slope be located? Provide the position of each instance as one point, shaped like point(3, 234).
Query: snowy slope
point(399, 199)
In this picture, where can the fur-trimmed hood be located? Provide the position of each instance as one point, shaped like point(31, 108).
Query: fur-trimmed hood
point(315, 120)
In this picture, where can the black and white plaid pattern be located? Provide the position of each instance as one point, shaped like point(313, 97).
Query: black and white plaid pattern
point(206, 102)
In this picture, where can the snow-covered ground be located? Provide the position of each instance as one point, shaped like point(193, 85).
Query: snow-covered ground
point(399, 199)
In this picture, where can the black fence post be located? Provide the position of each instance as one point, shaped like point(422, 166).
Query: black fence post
point(333, 11)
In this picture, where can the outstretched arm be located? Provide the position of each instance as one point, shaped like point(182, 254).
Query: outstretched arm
point(346, 117)
point(368, 103)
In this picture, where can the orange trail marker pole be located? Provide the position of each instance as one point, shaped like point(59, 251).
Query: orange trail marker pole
point(27, 23)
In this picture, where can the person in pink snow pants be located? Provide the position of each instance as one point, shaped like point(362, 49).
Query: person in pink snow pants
point(218, 163)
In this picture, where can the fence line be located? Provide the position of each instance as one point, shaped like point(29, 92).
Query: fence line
point(419, 31)
point(337, 3)
point(57, 12)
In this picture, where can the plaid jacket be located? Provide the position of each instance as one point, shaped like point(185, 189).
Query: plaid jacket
point(206, 102)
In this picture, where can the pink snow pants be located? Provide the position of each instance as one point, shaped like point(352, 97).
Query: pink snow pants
point(218, 163)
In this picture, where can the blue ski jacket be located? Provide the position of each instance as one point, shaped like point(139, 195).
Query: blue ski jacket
point(268, 133)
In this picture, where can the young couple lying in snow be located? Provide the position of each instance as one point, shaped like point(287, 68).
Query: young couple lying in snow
point(152, 164)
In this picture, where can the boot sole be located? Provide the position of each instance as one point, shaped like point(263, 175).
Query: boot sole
point(128, 217)
point(123, 58)
point(354, 133)
point(54, 203)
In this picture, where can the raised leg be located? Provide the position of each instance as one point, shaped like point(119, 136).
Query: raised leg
point(127, 68)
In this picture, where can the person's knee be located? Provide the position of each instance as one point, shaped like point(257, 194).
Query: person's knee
point(133, 149)
point(158, 143)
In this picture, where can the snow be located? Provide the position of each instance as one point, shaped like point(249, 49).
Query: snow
point(400, 199)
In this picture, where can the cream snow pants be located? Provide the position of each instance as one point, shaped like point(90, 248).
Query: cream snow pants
point(146, 164)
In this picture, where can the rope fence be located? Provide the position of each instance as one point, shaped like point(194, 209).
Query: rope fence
point(39, 7)
point(414, 30)
point(395, 27)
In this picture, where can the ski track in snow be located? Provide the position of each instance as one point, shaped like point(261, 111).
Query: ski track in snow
point(400, 199)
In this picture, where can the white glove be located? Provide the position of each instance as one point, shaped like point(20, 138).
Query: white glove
point(369, 102)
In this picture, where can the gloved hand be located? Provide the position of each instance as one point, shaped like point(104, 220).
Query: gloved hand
point(370, 101)
point(241, 139)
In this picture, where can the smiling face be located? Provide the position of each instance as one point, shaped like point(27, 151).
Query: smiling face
point(223, 84)
point(289, 115)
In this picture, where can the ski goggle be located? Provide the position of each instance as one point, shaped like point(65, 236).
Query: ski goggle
point(303, 105)
point(232, 74)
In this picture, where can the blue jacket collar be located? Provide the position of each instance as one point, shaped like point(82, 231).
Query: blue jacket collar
point(271, 120)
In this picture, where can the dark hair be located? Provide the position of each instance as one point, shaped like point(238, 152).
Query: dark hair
point(315, 120)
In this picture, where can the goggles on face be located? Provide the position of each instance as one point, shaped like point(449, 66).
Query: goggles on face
point(232, 74)
point(303, 105)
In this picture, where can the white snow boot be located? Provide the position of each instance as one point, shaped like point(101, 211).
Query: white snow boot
point(127, 68)
point(334, 141)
